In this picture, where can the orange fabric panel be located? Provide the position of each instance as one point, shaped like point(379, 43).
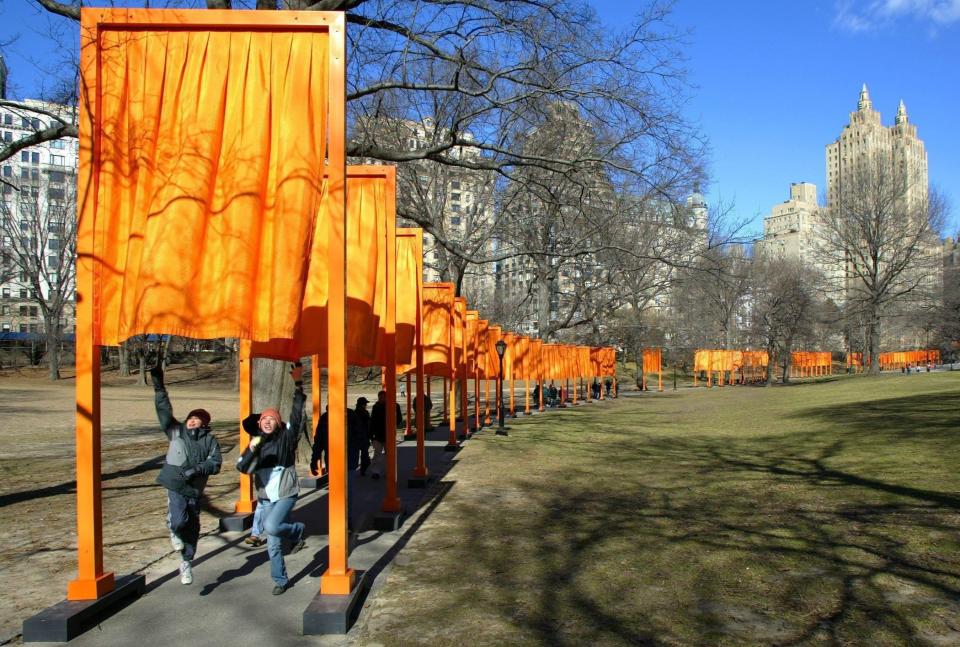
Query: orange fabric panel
point(409, 293)
point(371, 207)
point(208, 155)
point(437, 328)
point(493, 360)
point(473, 326)
point(483, 348)
point(460, 334)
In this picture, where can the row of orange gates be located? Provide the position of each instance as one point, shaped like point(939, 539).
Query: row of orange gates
point(243, 220)
point(740, 367)
point(896, 359)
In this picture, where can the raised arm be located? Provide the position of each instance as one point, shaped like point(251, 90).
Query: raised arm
point(299, 400)
point(162, 400)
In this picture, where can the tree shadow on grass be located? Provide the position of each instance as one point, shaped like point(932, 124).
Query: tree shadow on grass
point(745, 541)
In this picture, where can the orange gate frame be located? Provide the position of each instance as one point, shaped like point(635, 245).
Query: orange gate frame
point(92, 580)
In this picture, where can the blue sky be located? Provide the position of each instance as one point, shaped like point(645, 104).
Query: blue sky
point(774, 82)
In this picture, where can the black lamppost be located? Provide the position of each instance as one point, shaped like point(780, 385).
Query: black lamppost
point(501, 349)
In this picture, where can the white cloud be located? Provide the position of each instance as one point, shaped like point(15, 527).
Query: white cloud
point(858, 16)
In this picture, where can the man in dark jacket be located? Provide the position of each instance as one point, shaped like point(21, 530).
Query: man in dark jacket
point(193, 455)
point(378, 431)
point(363, 433)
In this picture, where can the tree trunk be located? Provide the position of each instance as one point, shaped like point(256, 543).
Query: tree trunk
point(142, 367)
point(771, 363)
point(272, 386)
point(543, 307)
point(874, 332)
point(53, 348)
point(124, 357)
point(787, 361)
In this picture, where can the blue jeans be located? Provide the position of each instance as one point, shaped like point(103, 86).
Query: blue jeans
point(275, 522)
point(257, 530)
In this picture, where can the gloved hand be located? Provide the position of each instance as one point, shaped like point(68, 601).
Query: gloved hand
point(190, 472)
point(313, 469)
point(255, 442)
point(156, 374)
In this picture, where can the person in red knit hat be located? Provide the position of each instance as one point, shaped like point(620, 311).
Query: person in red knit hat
point(271, 457)
point(193, 455)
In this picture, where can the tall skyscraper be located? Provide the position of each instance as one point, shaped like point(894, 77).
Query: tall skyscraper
point(865, 137)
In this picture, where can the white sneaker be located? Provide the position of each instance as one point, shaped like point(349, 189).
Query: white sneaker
point(186, 573)
point(175, 541)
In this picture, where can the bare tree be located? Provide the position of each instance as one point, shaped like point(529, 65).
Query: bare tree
point(879, 243)
point(484, 71)
point(38, 224)
point(782, 308)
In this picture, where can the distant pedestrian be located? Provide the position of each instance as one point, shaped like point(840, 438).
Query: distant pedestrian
point(192, 456)
point(379, 433)
point(363, 426)
point(427, 408)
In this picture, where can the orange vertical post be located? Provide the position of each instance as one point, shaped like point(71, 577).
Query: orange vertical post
point(421, 467)
point(91, 581)
point(391, 502)
point(460, 321)
point(245, 504)
point(486, 401)
point(338, 578)
point(452, 382)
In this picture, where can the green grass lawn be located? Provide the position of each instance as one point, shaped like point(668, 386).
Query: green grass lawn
point(814, 514)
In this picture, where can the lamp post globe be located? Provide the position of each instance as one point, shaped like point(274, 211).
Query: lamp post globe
point(501, 347)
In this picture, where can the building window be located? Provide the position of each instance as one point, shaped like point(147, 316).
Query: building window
point(23, 327)
point(455, 220)
point(34, 158)
point(58, 143)
point(23, 293)
point(455, 207)
point(56, 177)
point(5, 327)
point(6, 293)
point(455, 197)
point(25, 122)
point(57, 160)
point(7, 171)
point(53, 262)
point(24, 310)
point(455, 184)
point(7, 136)
point(25, 156)
point(7, 119)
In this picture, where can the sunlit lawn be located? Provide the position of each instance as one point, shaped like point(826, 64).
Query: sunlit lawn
point(813, 514)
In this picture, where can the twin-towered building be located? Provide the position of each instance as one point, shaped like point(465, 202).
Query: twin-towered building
point(791, 228)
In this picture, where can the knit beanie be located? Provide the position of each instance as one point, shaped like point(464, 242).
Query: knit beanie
point(273, 413)
point(203, 414)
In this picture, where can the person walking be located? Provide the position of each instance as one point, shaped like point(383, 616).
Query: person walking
point(363, 429)
point(192, 456)
point(378, 431)
point(271, 457)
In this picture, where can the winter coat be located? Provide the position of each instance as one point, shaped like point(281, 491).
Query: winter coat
point(378, 422)
point(278, 449)
point(188, 448)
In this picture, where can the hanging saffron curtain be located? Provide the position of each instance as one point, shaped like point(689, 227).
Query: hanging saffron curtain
point(438, 332)
point(207, 167)
point(371, 195)
point(409, 293)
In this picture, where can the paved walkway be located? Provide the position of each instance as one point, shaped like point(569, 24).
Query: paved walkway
point(230, 600)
